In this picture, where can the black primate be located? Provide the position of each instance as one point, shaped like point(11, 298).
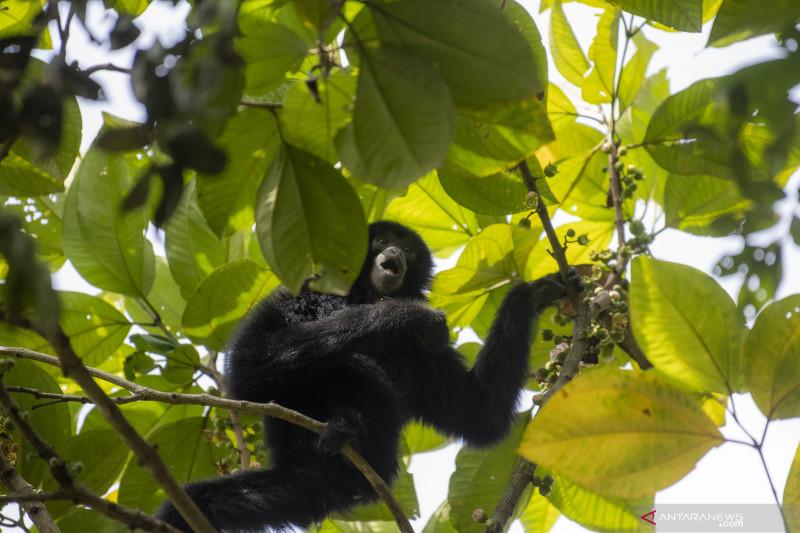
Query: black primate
point(365, 364)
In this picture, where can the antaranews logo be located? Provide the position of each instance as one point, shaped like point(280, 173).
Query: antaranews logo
point(712, 518)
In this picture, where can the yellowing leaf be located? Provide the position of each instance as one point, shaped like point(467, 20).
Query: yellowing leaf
point(618, 433)
point(771, 359)
point(687, 324)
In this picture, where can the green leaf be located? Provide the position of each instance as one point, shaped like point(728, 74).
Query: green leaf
point(633, 73)
point(18, 177)
point(791, 495)
point(403, 121)
point(443, 223)
point(95, 328)
point(165, 297)
point(310, 124)
point(599, 85)
point(498, 194)
point(674, 136)
point(686, 324)
point(704, 205)
point(41, 217)
point(186, 450)
point(250, 140)
point(106, 245)
point(270, 50)
point(193, 249)
point(771, 359)
point(53, 423)
point(439, 522)
point(682, 15)
point(310, 219)
point(486, 261)
point(498, 68)
point(103, 455)
point(567, 54)
point(419, 437)
point(480, 478)
point(738, 20)
point(222, 299)
point(620, 433)
point(489, 141)
point(593, 511)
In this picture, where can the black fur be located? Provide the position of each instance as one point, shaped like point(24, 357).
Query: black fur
point(365, 364)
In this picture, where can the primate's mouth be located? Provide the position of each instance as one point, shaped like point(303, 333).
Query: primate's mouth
point(393, 266)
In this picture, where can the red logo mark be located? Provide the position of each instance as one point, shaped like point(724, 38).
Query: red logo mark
point(651, 514)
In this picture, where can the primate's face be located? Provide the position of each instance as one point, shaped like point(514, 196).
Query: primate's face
point(394, 255)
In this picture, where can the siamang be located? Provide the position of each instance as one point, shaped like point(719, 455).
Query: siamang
point(365, 364)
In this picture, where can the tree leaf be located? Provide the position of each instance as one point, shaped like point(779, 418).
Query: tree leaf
point(53, 423)
point(682, 15)
point(310, 220)
point(791, 495)
point(250, 139)
point(633, 73)
point(222, 299)
point(600, 83)
point(489, 141)
point(593, 511)
point(704, 205)
point(620, 433)
point(442, 222)
point(738, 20)
point(674, 135)
point(185, 449)
point(686, 324)
point(498, 194)
point(771, 359)
point(270, 50)
point(498, 68)
point(106, 245)
point(95, 328)
point(403, 121)
point(539, 515)
point(567, 54)
point(486, 261)
point(310, 124)
point(193, 249)
point(480, 478)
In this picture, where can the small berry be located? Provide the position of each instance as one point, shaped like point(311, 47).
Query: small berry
point(550, 170)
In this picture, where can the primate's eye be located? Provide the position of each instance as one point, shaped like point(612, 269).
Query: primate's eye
point(383, 242)
point(408, 250)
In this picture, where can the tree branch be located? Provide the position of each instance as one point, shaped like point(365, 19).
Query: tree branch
point(271, 409)
point(25, 494)
point(73, 368)
point(77, 492)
